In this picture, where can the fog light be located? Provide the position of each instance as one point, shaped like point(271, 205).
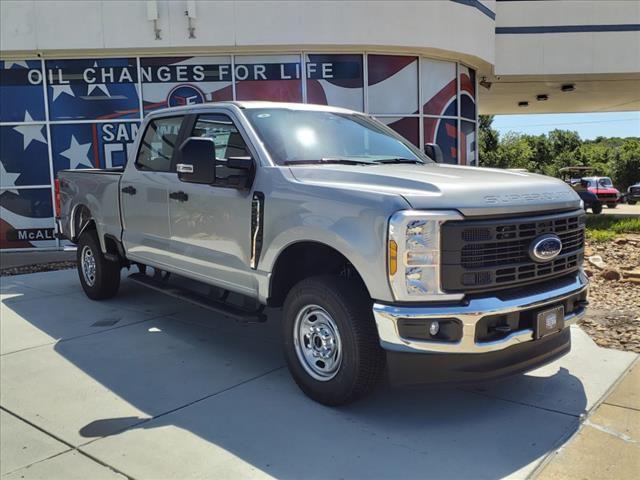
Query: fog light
point(434, 328)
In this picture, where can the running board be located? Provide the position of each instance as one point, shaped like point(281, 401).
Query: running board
point(228, 310)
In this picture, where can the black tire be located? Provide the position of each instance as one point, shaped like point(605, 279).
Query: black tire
point(362, 359)
point(596, 208)
point(631, 202)
point(106, 274)
point(612, 205)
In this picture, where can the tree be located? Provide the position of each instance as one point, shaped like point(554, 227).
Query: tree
point(625, 169)
point(488, 141)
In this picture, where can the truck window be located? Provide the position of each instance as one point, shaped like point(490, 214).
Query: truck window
point(158, 144)
point(228, 140)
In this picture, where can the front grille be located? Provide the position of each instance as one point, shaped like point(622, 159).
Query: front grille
point(606, 195)
point(486, 254)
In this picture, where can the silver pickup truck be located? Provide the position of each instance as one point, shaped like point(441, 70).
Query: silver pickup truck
point(381, 258)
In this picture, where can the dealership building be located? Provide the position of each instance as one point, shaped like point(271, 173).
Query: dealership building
point(77, 78)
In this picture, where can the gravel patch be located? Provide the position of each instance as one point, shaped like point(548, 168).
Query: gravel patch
point(38, 267)
point(613, 318)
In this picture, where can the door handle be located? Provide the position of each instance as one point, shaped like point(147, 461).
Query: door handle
point(180, 196)
point(130, 190)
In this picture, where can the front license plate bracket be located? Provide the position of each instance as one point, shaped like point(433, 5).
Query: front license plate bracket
point(550, 320)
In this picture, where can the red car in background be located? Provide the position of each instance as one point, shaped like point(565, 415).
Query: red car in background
point(603, 188)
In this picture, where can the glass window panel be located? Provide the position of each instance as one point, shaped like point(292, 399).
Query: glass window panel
point(467, 92)
point(26, 218)
point(443, 131)
point(90, 89)
point(468, 143)
point(176, 81)
point(21, 93)
point(393, 84)
point(438, 87)
point(268, 77)
point(408, 127)
point(24, 156)
point(158, 144)
point(335, 80)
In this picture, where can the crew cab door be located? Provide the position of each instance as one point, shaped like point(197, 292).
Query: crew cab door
point(144, 193)
point(211, 224)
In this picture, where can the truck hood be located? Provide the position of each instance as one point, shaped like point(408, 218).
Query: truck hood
point(471, 190)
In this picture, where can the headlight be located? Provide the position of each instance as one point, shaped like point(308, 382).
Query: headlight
point(414, 253)
point(582, 204)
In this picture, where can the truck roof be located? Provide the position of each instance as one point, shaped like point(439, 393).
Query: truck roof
point(256, 104)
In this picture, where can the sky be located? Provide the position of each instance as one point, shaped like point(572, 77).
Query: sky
point(588, 125)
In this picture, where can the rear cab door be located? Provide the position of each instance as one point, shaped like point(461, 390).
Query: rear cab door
point(144, 191)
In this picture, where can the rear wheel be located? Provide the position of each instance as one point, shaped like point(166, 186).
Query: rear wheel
point(330, 340)
point(100, 278)
point(596, 208)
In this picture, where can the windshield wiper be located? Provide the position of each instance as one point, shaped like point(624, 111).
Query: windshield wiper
point(340, 161)
point(398, 160)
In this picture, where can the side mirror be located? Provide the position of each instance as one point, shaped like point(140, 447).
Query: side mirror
point(198, 160)
point(584, 183)
point(433, 151)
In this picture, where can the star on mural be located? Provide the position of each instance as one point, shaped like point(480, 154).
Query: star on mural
point(100, 86)
point(77, 154)
point(10, 63)
point(30, 133)
point(8, 179)
point(58, 90)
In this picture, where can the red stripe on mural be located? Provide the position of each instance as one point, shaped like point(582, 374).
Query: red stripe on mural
point(440, 100)
point(382, 67)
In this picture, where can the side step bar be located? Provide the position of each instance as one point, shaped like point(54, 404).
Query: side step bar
point(227, 309)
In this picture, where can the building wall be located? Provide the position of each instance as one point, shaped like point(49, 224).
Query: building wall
point(72, 26)
point(567, 37)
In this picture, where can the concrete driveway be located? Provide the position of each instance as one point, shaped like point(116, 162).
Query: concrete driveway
point(149, 387)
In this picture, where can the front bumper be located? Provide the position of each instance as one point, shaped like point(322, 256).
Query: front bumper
point(471, 313)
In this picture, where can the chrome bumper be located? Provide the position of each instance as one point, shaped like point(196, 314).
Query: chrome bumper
point(387, 316)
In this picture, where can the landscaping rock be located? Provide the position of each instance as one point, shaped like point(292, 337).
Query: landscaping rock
point(597, 261)
point(610, 274)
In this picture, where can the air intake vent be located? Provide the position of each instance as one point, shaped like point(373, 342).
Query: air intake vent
point(476, 278)
point(476, 235)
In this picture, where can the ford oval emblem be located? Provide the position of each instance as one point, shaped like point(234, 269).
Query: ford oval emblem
point(545, 248)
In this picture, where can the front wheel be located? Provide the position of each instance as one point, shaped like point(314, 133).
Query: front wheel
point(596, 208)
point(99, 277)
point(330, 340)
point(631, 202)
point(612, 205)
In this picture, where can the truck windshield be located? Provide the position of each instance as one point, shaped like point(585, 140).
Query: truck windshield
point(302, 137)
point(605, 182)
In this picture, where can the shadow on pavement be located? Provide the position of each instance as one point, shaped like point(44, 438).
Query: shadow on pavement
point(225, 384)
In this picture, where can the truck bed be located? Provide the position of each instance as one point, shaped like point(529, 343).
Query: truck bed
point(96, 189)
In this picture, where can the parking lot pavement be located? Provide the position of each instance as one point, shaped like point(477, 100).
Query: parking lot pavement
point(623, 209)
point(146, 386)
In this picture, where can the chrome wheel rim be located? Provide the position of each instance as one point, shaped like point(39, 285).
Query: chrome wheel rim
point(317, 343)
point(88, 263)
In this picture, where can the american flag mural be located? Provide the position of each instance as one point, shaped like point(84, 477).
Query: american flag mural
point(82, 113)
